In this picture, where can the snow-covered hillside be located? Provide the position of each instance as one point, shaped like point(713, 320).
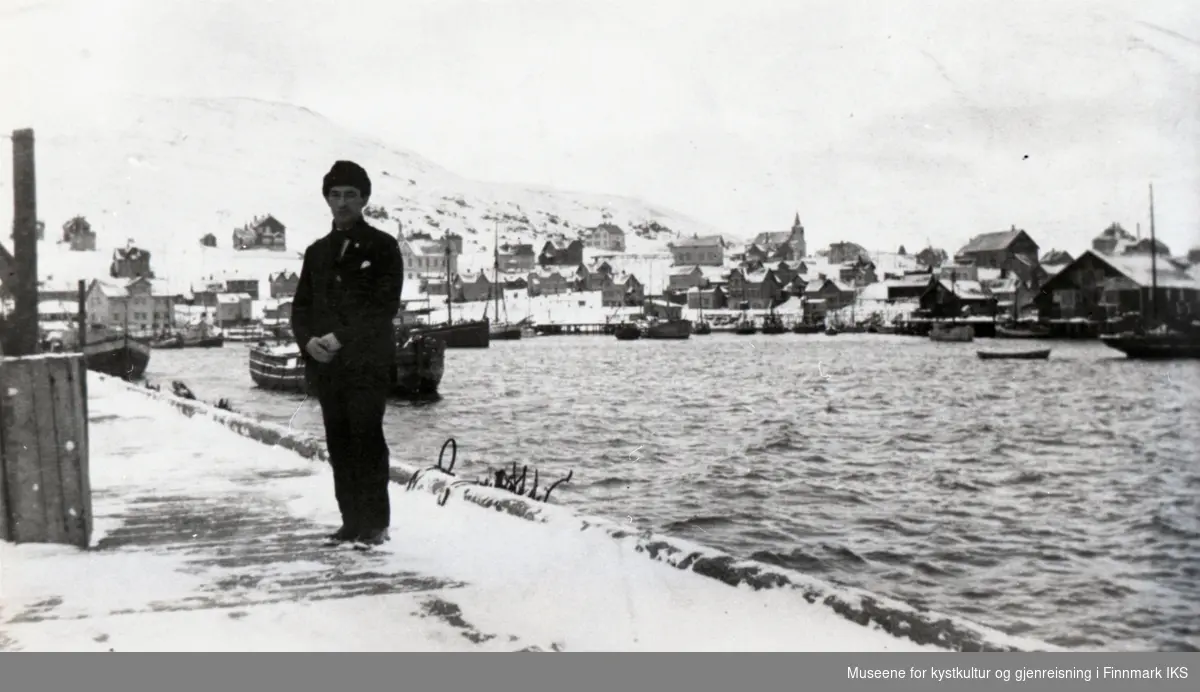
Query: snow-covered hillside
point(163, 172)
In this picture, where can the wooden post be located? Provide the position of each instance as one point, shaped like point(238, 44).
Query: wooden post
point(45, 491)
point(81, 313)
point(24, 318)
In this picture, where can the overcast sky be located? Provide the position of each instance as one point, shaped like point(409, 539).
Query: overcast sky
point(882, 121)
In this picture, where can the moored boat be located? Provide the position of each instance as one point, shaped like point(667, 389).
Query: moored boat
point(116, 354)
point(773, 324)
point(628, 331)
point(803, 328)
point(1038, 354)
point(1022, 332)
point(955, 332)
point(669, 329)
point(1160, 345)
point(701, 328)
point(1157, 338)
point(464, 334)
point(419, 365)
point(505, 331)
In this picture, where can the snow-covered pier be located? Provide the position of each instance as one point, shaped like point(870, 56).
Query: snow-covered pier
point(208, 534)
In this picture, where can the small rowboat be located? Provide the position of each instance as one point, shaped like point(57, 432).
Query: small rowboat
point(1041, 354)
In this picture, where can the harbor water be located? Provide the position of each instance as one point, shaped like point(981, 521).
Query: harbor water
point(1058, 499)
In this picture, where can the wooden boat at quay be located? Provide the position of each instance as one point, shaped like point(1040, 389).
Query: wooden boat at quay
point(117, 354)
point(200, 337)
point(628, 331)
point(113, 352)
point(1164, 340)
point(1022, 332)
point(419, 366)
point(1165, 345)
point(499, 330)
point(668, 329)
point(773, 324)
point(956, 332)
point(803, 328)
point(1039, 354)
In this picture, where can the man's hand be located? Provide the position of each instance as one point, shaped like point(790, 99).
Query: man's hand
point(331, 343)
point(317, 349)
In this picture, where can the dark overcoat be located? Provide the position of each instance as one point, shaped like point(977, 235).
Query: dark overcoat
point(350, 285)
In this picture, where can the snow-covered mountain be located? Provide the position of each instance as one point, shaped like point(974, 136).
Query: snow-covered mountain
point(163, 172)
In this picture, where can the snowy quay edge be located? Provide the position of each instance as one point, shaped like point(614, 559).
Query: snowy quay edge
point(895, 617)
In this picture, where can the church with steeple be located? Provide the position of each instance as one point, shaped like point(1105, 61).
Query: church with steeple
point(776, 244)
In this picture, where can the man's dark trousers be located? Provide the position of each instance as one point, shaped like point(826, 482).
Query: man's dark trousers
point(352, 406)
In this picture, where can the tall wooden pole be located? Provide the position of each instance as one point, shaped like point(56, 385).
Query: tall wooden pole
point(25, 293)
point(81, 341)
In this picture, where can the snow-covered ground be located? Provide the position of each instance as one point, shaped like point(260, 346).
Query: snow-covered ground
point(207, 540)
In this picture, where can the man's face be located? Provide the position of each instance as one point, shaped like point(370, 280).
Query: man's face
point(346, 203)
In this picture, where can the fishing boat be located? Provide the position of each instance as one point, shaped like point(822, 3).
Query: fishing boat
point(116, 353)
point(419, 365)
point(952, 332)
point(1032, 331)
point(200, 336)
point(461, 334)
point(772, 323)
point(1039, 354)
point(701, 326)
point(1156, 339)
point(806, 328)
point(499, 330)
point(670, 328)
point(628, 331)
point(831, 331)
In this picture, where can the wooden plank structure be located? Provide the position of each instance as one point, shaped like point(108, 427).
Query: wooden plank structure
point(45, 490)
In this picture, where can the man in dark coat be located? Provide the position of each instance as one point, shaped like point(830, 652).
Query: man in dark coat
point(347, 296)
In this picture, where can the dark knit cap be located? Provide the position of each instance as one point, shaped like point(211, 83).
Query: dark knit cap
point(346, 173)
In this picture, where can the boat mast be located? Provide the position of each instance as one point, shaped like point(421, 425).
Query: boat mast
point(449, 315)
point(1153, 261)
point(496, 269)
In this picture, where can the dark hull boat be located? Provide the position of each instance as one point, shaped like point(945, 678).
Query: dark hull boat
point(772, 324)
point(628, 331)
point(801, 328)
point(701, 328)
point(174, 342)
point(1162, 346)
point(1041, 354)
point(1022, 332)
point(504, 332)
point(669, 329)
point(117, 355)
point(419, 366)
point(470, 334)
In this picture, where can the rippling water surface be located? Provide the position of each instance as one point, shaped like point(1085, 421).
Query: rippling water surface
point(1057, 499)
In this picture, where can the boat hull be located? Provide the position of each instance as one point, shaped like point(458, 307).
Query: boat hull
point(702, 328)
point(474, 334)
point(671, 329)
point(1022, 333)
point(627, 332)
point(1154, 347)
point(417, 372)
point(957, 333)
point(117, 356)
point(1041, 354)
point(504, 332)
